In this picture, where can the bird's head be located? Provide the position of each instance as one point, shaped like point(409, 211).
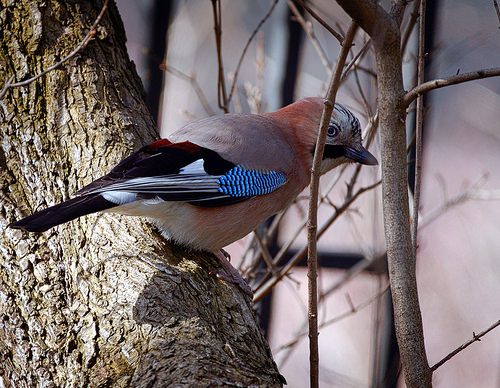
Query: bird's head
point(343, 141)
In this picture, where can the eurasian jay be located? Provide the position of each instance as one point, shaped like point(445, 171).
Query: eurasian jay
point(215, 180)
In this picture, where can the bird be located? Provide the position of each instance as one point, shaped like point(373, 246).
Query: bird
point(215, 180)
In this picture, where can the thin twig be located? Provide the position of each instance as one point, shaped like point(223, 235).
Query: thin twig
point(418, 128)
point(353, 309)
point(269, 232)
point(307, 27)
point(194, 83)
point(312, 257)
point(311, 12)
point(497, 9)
point(78, 48)
point(362, 93)
point(252, 35)
point(471, 193)
point(475, 337)
point(238, 108)
point(409, 28)
point(265, 254)
point(485, 195)
point(347, 275)
point(265, 288)
point(359, 55)
point(221, 85)
point(452, 80)
point(367, 70)
point(8, 84)
point(260, 57)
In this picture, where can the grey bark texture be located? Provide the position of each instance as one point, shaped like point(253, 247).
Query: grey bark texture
point(383, 29)
point(102, 300)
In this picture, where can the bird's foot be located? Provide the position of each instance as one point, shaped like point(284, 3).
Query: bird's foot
point(230, 274)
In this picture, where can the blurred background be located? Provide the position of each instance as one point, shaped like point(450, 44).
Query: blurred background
point(290, 56)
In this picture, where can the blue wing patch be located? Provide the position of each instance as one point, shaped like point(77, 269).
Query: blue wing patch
point(238, 182)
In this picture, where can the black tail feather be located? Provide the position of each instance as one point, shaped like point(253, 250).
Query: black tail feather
point(62, 212)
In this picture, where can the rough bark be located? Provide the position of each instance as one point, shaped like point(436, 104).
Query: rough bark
point(100, 301)
point(383, 28)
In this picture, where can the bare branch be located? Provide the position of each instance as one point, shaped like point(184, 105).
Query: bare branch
point(362, 93)
point(471, 193)
point(264, 289)
point(311, 12)
point(485, 195)
point(409, 28)
point(359, 55)
point(194, 83)
point(312, 257)
point(268, 234)
point(418, 128)
point(475, 337)
point(221, 83)
point(252, 35)
point(351, 273)
point(497, 10)
point(265, 254)
point(353, 309)
point(8, 85)
point(452, 80)
point(238, 108)
point(307, 27)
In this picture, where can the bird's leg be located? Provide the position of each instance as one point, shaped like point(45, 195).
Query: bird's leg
point(230, 273)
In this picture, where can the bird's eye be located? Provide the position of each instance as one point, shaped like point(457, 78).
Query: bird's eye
point(332, 131)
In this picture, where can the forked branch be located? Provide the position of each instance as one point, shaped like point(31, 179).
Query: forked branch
point(475, 337)
point(447, 81)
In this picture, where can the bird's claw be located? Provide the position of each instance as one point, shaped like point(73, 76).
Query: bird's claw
point(234, 278)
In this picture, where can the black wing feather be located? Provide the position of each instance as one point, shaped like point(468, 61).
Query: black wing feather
point(62, 212)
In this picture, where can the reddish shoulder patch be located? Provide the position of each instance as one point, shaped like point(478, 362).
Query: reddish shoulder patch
point(158, 144)
point(165, 145)
point(186, 146)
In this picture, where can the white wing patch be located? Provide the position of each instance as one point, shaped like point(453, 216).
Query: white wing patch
point(119, 197)
point(166, 184)
point(195, 168)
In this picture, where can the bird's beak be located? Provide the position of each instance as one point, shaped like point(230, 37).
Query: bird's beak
point(361, 156)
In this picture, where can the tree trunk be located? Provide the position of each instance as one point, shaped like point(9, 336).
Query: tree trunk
point(102, 300)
